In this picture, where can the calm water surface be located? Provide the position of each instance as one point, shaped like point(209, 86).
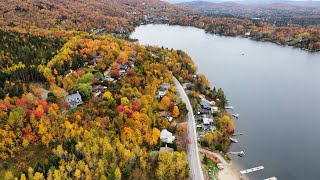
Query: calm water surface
point(275, 89)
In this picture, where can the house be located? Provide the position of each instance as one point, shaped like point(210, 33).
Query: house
point(94, 61)
point(124, 68)
point(163, 89)
point(205, 104)
point(98, 90)
point(108, 78)
point(162, 92)
point(166, 136)
point(208, 124)
point(207, 121)
point(131, 62)
point(74, 100)
point(204, 111)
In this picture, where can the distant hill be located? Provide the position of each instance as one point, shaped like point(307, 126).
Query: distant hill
point(281, 5)
point(79, 14)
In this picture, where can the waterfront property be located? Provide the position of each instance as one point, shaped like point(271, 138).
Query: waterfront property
point(263, 87)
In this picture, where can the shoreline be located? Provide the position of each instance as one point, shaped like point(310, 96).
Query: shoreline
point(241, 36)
point(231, 172)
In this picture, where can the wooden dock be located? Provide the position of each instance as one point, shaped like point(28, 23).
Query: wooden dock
point(237, 134)
point(252, 170)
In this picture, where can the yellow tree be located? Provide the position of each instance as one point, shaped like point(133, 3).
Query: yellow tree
point(165, 103)
point(175, 111)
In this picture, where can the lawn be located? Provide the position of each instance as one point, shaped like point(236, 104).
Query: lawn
point(211, 167)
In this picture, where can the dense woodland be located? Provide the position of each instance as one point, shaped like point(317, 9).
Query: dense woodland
point(294, 35)
point(111, 136)
point(46, 50)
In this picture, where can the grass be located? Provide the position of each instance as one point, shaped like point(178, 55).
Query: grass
point(26, 157)
point(211, 167)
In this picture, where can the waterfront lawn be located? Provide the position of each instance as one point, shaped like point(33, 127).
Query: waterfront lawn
point(211, 167)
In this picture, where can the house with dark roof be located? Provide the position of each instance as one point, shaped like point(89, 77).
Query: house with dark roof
point(124, 68)
point(163, 89)
point(74, 100)
point(98, 89)
point(205, 104)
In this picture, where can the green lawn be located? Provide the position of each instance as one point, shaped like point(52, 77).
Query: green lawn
point(211, 167)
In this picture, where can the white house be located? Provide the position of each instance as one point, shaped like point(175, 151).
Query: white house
point(166, 136)
point(207, 121)
point(74, 100)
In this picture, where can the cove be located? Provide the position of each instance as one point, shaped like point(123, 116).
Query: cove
point(275, 89)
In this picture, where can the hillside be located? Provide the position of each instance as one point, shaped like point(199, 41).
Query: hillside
point(81, 14)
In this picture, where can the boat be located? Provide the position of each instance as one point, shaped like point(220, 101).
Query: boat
point(235, 115)
point(228, 107)
point(241, 154)
point(234, 140)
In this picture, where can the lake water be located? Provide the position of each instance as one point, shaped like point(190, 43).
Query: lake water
point(275, 90)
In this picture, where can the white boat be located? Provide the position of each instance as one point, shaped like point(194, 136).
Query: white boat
point(235, 115)
point(234, 140)
point(228, 107)
point(241, 154)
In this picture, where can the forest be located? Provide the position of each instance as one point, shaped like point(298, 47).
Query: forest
point(121, 17)
point(112, 135)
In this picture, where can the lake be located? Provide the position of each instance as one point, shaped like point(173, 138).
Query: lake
point(274, 89)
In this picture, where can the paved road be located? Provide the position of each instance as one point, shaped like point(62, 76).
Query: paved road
point(223, 161)
point(193, 152)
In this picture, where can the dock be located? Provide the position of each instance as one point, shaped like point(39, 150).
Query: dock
point(240, 153)
point(237, 134)
point(252, 170)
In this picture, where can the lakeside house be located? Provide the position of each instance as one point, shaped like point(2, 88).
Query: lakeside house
point(205, 105)
point(74, 100)
point(207, 124)
point(166, 136)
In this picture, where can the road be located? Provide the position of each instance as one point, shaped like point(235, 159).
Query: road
point(222, 160)
point(193, 152)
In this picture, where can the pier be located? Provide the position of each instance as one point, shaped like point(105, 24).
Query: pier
point(252, 170)
point(237, 134)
